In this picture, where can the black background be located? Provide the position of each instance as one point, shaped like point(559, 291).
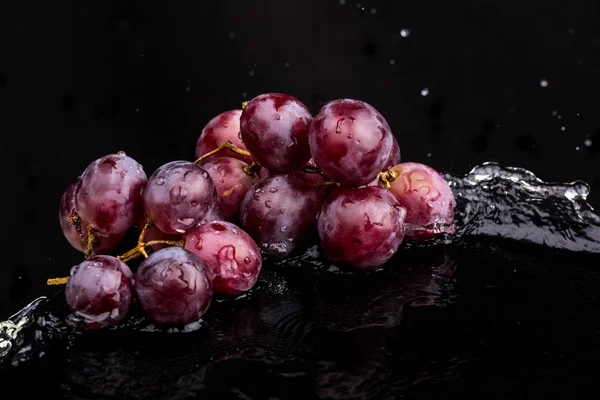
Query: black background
point(79, 80)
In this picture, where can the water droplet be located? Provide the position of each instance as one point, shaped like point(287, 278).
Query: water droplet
point(428, 154)
point(232, 35)
point(554, 113)
point(186, 221)
point(588, 142)
point(577, 148)
point(373, 11)
point(425, 92)
point(392, 62)
point(268, 203)
point(283, 228)
point(199, 243)
point(183, 192)
point(121, 154)
point(244, 94)
point(160, 181)
point(247, 260)
point(543, 82)
point(273, 190)
point(193, 203)
point(287, 64)
point(563, 128)
point(188, 88)
point(342, 2)
point(405, 33)
point(559, 116)
point(251, 72)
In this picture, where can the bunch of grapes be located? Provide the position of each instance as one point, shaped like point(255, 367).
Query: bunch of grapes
point(268, 180)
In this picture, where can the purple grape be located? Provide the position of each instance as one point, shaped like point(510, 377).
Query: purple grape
point(178, 196)
point(231, 184)
point(229, 252)
point(428, 199)
point(100, 291)
point(279, 213)
point(350, 141)
point(109, 197)
point(361, 227)
point(274, 128)
point(215, 214)
point(67, 210)
point(220, 129)
point(394, 157)
point(173, 286)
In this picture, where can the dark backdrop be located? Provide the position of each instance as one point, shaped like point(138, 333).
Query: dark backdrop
point(512, 81)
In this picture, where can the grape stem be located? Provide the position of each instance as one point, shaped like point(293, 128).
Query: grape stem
point(312, 170)
point(140, 249)
point(244, 104)
point(88, 241)
point(57, 281)
point(387, 177)
point(251, 169)
point(328, 183)
point(227, 145)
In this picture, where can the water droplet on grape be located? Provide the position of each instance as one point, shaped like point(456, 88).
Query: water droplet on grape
point(160, 181)
point(283, 228)
point(543, 82)
point(186, 221)
point(121, 153)
point(193, 204)
point(268, 203)
point(273, 190)
point(404, 33)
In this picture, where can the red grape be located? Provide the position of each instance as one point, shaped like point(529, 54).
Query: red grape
point(362, 227)
point(231, 183)
point(220, 129)
point(173, 286)
point(178, 195)
point(279, 213)
point(350, 141)
point(428, 199)
point(274, 128)
point(67, 210)
point(100, 291)
point(229, 252)
point(215, 214)
point(109, 197)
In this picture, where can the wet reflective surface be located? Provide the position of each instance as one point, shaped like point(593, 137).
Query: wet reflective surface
point(480, 315)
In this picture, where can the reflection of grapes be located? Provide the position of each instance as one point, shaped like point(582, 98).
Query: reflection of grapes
point(173, 286)
point(178, 195)
point(428, 199)
point(350, 141)
point(274, 128)
point(109, 197)
point(361, 227)
point(229, 252)
point(99, 290)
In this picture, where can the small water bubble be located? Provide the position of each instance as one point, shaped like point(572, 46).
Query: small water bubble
point(543, 82)
point(405, 33)
point(287, 64)
point(373, 11)
point(283, 228)
point(137, 109)
point(588, 142)
point(428, 154)
point(232, 35)
point(244, 94)
point(554, 113)
point(358, 5)
point(342, 2)
point(577, 148)
point(143, 55)
point(188, 88)
point(251, 72)
point(392, 62)
point(559, 116)
point(424, 92)
point(563, 128)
